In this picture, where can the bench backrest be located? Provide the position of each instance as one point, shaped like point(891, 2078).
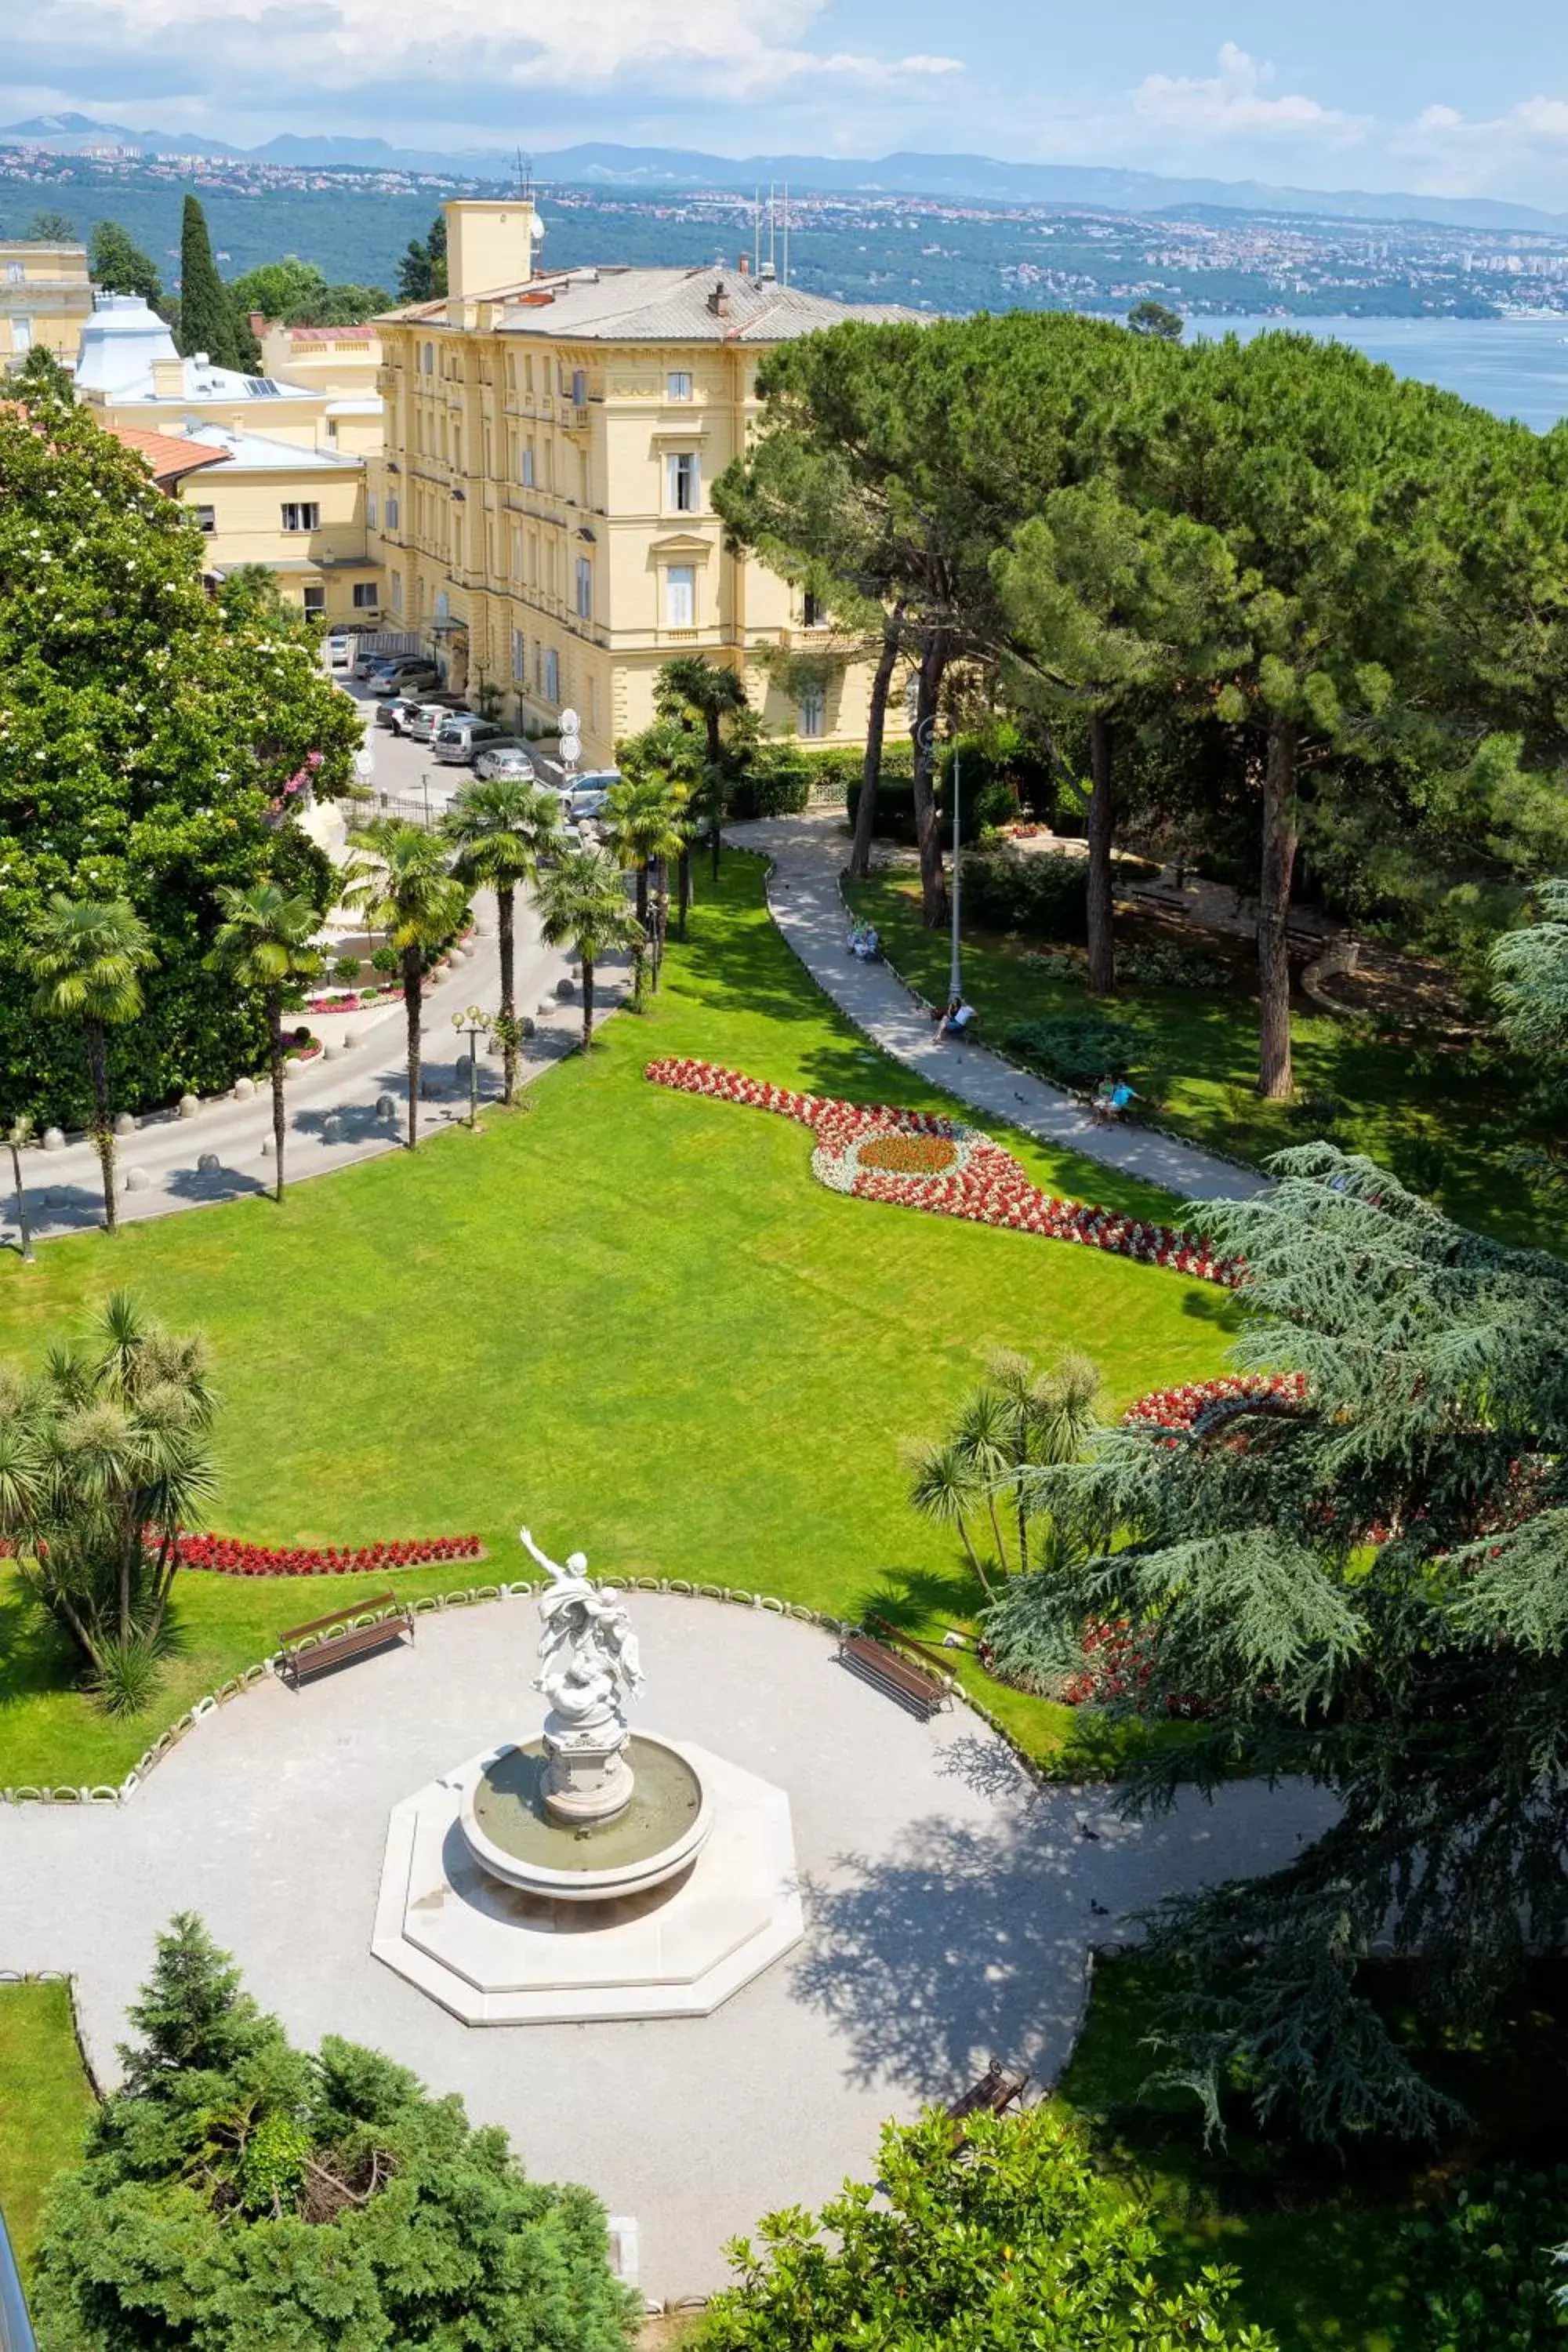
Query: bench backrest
point(888, 1632)
point(339, 1617)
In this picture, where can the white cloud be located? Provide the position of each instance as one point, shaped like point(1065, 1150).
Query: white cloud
point(1443, 151)
point(746, 49)
point(1234, 102)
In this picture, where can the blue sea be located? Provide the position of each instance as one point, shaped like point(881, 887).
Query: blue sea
point(1515, 367)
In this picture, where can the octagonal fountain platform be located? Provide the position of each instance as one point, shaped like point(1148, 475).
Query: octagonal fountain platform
point(593, 1873)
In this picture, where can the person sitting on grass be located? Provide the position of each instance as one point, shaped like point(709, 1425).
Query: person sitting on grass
point(957, 1017)
point(868, 947)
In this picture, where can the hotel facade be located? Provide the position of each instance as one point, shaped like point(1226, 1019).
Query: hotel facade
point(541, 508)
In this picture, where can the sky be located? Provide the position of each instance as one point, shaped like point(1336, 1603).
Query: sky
point(1428, 95)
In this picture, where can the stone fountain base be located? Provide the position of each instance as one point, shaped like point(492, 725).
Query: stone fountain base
point(493, 1955)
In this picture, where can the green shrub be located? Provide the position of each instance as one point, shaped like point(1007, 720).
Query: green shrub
point(1481, 2270)
point(1159, 965)
point(1077, 1049)
point(987, 802)
point(777, 781)
point(238, 2191)
point(387, 959)
point(345, 971)
point(1044, 896)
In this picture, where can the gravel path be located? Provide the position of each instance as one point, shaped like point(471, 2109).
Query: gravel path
point(807, 854)
point(949, 1906)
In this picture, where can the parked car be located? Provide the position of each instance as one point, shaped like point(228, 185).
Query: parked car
point(504, 760)
point(422, 727)
point(396, 711)
point(410, 677)
point(463, 733)
point(586, 795)
point(340, 650)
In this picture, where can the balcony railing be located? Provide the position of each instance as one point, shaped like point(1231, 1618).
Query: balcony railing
point(16, 2327)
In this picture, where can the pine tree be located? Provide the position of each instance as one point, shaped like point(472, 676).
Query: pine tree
point(192, 2015)
point(207, 316)
point(422, 272)
point(1367, 1588)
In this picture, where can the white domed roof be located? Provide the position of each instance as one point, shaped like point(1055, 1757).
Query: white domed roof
point(118, 344)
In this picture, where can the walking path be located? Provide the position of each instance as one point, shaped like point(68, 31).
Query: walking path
point(343, 1084)
point(808, 855)
point(950, 1907)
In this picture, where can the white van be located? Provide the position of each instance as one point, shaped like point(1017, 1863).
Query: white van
point(460, 736)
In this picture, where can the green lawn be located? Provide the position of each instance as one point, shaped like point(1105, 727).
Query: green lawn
point(630, 1318)
point(1420, 1111)
point(1317, 2240)
point(44, 2101)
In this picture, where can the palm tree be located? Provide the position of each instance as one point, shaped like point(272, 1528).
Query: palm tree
point(264, 943)
point(103, 1456)
point(643, 828)
point(500, 830)
point(583, 906)
point(1018, 1422)
point(87, 956)
point(690, 688)
point(405, 888)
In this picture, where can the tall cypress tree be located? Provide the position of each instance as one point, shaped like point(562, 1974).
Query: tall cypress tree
point(206, 318)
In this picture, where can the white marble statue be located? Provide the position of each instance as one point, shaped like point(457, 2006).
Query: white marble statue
point(587, 1652)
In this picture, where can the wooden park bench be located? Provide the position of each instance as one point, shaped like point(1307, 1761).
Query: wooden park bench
point(992, 2095)
point(345, 1633)
point(913, 1685)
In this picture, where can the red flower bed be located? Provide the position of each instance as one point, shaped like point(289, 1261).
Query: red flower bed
point(228, 1556)
point(988, 1187)
point(1179, 1408)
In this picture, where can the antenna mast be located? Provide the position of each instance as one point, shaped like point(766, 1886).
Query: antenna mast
point(786, 233)
point(524, 176)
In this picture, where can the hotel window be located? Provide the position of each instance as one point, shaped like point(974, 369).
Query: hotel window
point(303, 516)
point(367, 595)
point(584, 588)
point(552, 677)
point(391, 511)
point(680, 596)
point(371, 510)
point(16, 272)
point(683, 483)
point(21, 334)
point(812, 612)
point(579, 387)
point(518, 658)
point(397, 592)
point(315, 596)
point(812, 711)
point(528, 465)
point(678, 384)
point(527, 371)
point(429, 359)
point(206, 520)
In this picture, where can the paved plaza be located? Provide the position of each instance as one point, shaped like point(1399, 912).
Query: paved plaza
point(950, 1905)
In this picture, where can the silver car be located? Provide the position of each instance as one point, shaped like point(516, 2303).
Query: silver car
point(507, 760)
point(428, 719)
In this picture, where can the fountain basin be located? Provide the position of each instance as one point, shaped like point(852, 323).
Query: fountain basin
point(510, 1832)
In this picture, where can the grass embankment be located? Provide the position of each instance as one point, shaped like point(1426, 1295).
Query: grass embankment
point(1415, 1107)
point(45, 2103)
point(630, 1318)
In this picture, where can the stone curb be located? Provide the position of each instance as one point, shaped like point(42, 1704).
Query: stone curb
point(433, 1603)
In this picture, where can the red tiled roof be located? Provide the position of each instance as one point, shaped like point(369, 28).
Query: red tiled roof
point(168, 456)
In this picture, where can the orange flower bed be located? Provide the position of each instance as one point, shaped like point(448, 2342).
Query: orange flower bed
point(910, 1155)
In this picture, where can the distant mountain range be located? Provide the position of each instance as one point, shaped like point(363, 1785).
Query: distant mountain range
point(980, 177)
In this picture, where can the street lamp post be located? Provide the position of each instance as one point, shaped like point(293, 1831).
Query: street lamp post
point(955, 988)
point(473, 1024)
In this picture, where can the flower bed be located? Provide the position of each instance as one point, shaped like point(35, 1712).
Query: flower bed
point(228, 1556)
point(916, 1160)
point(1180, 1408)
point(350, 1003)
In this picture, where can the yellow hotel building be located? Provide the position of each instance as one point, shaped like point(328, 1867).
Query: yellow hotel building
point(541, 508)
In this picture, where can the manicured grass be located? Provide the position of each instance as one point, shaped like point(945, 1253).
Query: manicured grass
point(45, 2103)
point(629, 1318)
point(1418, 1110)
point(1315, 2238)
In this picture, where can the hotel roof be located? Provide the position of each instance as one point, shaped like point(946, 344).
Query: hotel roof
point(713, 305)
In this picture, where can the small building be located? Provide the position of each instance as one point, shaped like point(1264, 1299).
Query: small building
point(126, 366)
point(46, 295)
point(300, 512)
point(542, 506)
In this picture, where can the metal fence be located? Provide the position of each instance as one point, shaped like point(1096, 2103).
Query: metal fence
point(424, 808)
point(16, 2327)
